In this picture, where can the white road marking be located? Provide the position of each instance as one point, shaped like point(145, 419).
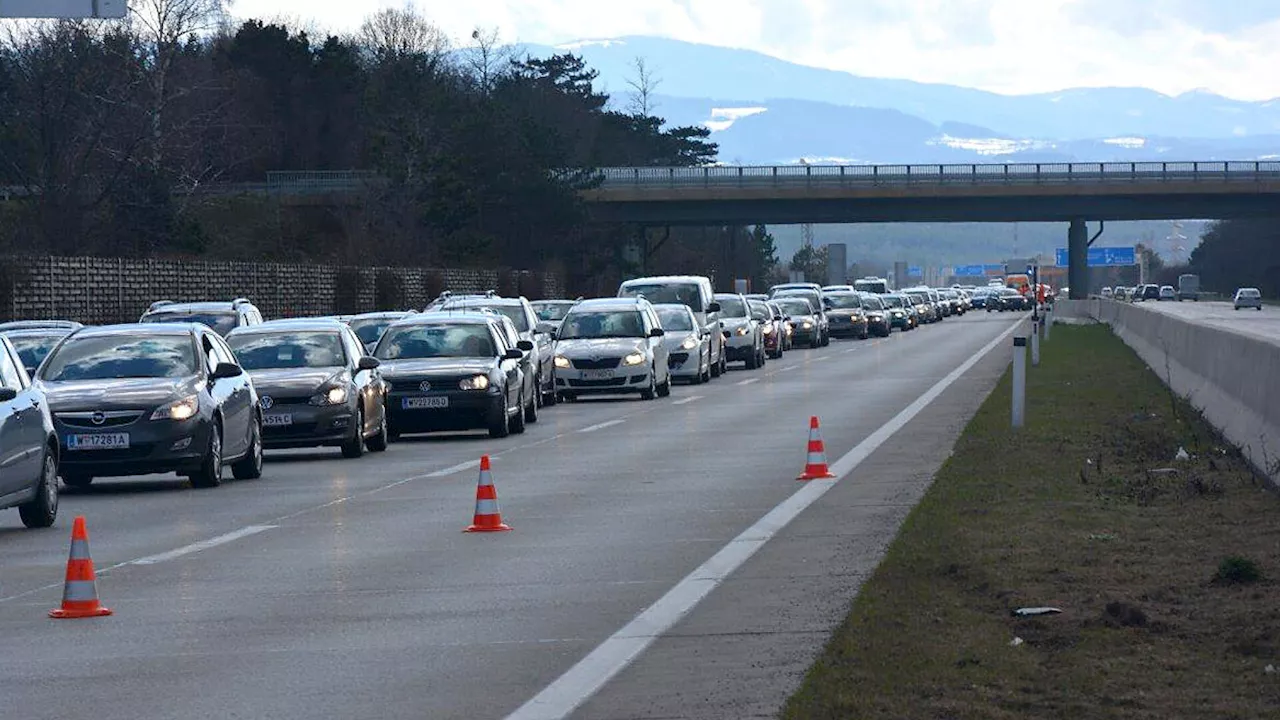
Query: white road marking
point(686, 401)
point(203, 545)
point(851, 350)
point(748, 381)
point(583, 680)
point(824, 358)
point(601, 426)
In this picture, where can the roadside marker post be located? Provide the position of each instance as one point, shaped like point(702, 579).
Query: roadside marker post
point(1019, 380)
point(1035, 343)
point(1048, 322)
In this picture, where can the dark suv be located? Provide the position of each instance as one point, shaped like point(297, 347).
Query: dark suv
point(142, 399)
point(221, 316)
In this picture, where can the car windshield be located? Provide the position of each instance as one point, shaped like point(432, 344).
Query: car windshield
point(602, 324)
point(435, 341)
point(112, 357)
point(32, 349)
point(844, 302)
point(678, 293)
point(221, 322)
point(795, 306)
point(675, 319)
point(872, 302)
point(514, 312)
point(552, 312)
point(371, 329)
point(759, 311)
point(919, 298)
point(893, 301)
point(281, 350)
point(732, 306)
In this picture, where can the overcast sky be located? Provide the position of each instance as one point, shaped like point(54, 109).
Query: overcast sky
point(1229, 46)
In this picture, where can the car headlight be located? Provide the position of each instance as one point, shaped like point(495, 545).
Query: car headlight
point(743, 330)
point(808, 325)
point(183, 409)
point(476, 382)
point(768, 329)
point(689, 343)
point(562, 362)
point(634, 358)
point(330, 396)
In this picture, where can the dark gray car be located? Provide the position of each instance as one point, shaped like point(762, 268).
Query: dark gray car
point(28, 445)
point(316, 385)
point(151, 398)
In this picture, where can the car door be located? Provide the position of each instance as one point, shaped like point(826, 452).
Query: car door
point(366, 383)
point(230, 394)
point(657, 345)
point(511, 368)
point(21, 427)
point(546, 352)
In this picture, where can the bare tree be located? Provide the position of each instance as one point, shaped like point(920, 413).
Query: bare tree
point(487, 58)
point(402, 32)
point(643, 88)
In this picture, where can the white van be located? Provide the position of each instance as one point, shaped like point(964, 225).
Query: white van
point(692, 290)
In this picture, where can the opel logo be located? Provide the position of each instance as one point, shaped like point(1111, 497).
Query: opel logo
point(266, 402)
point(424, 386)
point(98, 417)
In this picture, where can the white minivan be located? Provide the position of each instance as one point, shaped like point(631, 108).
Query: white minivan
point(692, 290)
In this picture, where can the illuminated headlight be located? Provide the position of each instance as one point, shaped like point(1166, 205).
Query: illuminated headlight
point(633, 359)
point(808, 325)
point(768, 329)
point(897, 313)
point(689, 343)
point(184, 409)
point(743, 330)
point(330, 396)
point(562, 362)
point(476, 382)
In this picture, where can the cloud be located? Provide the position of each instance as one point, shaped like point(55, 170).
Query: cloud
point(1013, 46)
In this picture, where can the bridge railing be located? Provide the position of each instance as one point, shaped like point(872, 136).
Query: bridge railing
point(972, 173)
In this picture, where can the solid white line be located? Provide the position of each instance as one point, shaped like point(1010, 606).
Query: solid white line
point(851, 350)
point(686, 401)
point(468, 465)
point(601, 426)
point(748, 381)
point(824, 358)
point(585, 679)
point(202, 545)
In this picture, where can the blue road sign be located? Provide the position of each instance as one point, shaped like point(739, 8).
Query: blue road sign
point(915, 271)
point(968, 271)
point(995, 270)
point(1103, 256)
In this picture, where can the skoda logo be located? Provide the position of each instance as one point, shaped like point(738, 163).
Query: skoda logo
point(266, 402)
point(98, 417)
point(424, 386)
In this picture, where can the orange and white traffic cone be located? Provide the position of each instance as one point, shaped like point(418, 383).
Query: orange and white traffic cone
point(815, 467)
point(80, 593)
point(488, 517)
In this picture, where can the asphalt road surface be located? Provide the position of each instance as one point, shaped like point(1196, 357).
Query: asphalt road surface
point(345, 588)
point(1263, 325)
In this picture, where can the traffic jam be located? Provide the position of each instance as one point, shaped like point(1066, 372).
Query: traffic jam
point(206, 389)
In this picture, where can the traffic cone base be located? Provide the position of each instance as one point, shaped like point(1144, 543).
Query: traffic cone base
point(488, 516)
point(80, 593)
point(815, 466)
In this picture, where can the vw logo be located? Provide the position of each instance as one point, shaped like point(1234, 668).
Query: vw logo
point(266, 402)
point(425, 386)
point(98, 417)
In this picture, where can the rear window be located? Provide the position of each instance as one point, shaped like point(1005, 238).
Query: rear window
point(415, 342)
point(661, 293)
point(279, 351)
point(220, 322)
point(675, 319)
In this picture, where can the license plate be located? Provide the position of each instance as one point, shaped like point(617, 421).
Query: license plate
point(597, 374)
point(104, 441)
point(425, 403)
point(277, 420)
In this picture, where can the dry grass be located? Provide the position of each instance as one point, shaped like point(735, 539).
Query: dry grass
point(1159, 618)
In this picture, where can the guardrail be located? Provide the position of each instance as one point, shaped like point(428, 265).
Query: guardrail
point(973, 173)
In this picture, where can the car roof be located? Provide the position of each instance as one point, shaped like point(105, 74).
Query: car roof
point(678, 307)
point(552, 302)
point(40, 324)
point(287, 324)
point(610, 304)
point(204, 306)
point(484, 301)
point(666, 278)
point(177, 328)
point(36, 332)
point(436, 317)
point(382, 315)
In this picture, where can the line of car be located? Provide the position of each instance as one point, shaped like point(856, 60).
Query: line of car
point(1245, 297)
point(195, 388)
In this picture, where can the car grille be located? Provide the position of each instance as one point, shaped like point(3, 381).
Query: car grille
point(116, 418)
point(677, 358)
point(133, 452)
point(601, 364)
point(278, 400)
point(437, 383)
point(612, 382)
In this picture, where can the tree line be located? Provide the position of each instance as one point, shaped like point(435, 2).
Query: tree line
point(111, 132)
point(1232, 254)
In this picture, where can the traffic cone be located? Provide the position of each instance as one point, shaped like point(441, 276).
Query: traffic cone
point(815, 467)
point(488, 517)
point(80, 593)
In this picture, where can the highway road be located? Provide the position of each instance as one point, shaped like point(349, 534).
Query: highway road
point(345, 588)
point(1264, 325)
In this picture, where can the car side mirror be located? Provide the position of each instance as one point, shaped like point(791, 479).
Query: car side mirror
point(368, 363)
point(513, 354)
point(525, 345)
point(657, 332)
point(226, 370)
point(8, 393)
point(713, 307)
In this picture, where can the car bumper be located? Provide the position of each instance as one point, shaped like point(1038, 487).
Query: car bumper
point(154, 447)
point(466, 410)
point(685, 365)
point(841, 328)
point(307, 426)
point(621, 379)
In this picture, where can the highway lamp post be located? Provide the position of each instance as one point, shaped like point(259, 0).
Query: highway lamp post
point(1019, 380)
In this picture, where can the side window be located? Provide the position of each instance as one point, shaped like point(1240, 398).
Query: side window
point(214, 352)
point(10, 375)
point(355, 350)
point(225, 353)
point(500, 341)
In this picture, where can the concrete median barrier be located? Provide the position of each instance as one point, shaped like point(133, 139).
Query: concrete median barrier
point(1231, 378)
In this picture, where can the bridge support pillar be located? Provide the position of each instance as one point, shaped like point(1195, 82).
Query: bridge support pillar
point(1078, 259)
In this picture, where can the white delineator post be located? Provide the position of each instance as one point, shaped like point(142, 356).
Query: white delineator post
point(1019, 380)
point(1035, 343)
point(1048, 321)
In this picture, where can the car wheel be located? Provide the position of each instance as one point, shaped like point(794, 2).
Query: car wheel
point(531, 410)
point(551, 397)
point(815, 342)
point(568, 397)
point(354, 448)
point(378, 442)
point(664, 390)
point(77, 480)
point(210, 473)
point(42, 511)
point(753, 361)
point(499, 422)
point(652, 391)
point(249, 467)
point(519, 422)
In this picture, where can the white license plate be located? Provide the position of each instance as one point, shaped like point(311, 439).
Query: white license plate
point(104, 441)
point(277, 420)
point(597, 374)
point(425, 403)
